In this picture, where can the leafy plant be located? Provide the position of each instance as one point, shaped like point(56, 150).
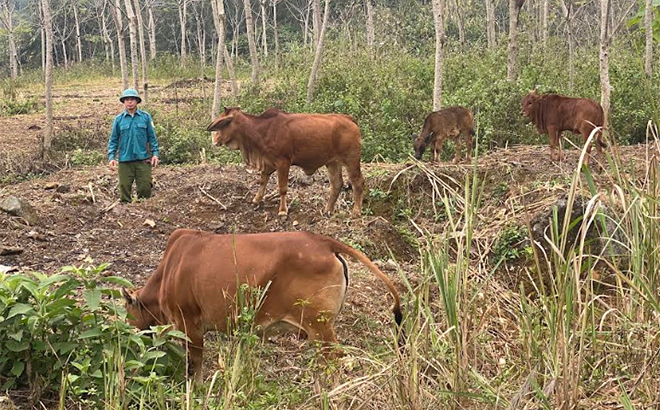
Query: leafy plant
point(67, 333)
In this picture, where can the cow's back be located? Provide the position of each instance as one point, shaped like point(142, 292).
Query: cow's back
point(317, 139)
point(568, 113)
point(202, 270)
point(448, 119)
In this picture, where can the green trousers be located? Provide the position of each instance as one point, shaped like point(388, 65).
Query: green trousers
point(138, 171)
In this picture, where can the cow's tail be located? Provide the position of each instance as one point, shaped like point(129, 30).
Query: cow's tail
point(600, 138)
point(338, 247)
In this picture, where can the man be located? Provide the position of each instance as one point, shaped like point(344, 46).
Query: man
point(134, 140)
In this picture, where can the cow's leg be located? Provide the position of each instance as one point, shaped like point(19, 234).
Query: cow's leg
point(321, 330)
point(336, 182)
point(458, 147)
point(468, 143)
point(195, 346)
point(554, 139)
point(282, 185)
point(263, 182)
point(357, 181)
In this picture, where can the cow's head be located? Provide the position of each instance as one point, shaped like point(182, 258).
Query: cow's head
point(529, 103)
point(140, 314)
point(420, 143)
point(221, 132)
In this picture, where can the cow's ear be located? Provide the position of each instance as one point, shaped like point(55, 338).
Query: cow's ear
point(219, 123)
point(127, 296)
point(414, 136)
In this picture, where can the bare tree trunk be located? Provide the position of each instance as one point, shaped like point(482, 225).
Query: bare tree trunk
point(43, 48)
point(7, 21)
point(264, 35)
point(439, 43)
point(276, 34)
point(370, 24)
point(604, 55)
point(460, 22)
point(567, 11)
point(490, 24)
point(106, 37)
point(152, 30)
point(251, 42)
point(648, 27)
point(201, 42)
point(514, 11)
point(143, 52)
point(132, 33)
point(544, 23)
point(316, 20)
point(311, 84)
point(65, 56)
point(48, 28)
point(116, 15)
point(78, 38)
point(218, 7)
point(219, 21)
point(183, 17)
point(232, 74)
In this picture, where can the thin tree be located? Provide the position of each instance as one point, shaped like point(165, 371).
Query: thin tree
point(115, 10)
point(48, 30)
point(544, 23)
point(568, 13)
point(251, 41)
point(514, 13)
point(6, 17)
point(439, 43)
point(143, 52)
point(183, 17)
point(276, 34)
point(152, 30)
point(219, 22)
point(490, 24)
point(108, 44)
point(606, 36)
point(264, 31)
point(201, 38)
point(316, 20)
point(371, 33)
point(648, 27)
point(460, 21)
point(311, 84)
point(78, 38)
point(132, 34)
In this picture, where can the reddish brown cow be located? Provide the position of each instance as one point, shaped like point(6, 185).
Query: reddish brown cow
point(275, 140)
point(195, 285)
point(451, 122)
point(553, 113)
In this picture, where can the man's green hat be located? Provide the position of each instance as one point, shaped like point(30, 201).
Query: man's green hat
point(130, 92)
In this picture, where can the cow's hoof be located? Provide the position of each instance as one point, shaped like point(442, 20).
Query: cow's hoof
point(282, 214)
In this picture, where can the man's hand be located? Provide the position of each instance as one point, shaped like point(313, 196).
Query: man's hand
point(154, 161)
point(113, 164)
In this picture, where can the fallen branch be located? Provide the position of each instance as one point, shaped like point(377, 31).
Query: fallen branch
point(216, 201)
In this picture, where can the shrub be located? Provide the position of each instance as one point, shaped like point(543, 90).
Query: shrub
point(68, 333)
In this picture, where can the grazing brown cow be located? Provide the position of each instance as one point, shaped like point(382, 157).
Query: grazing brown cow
point(451, 122)
point(553, 113)
point(275, 140)
point(194, 286)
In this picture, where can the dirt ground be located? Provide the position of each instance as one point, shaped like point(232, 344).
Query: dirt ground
point(80, 220)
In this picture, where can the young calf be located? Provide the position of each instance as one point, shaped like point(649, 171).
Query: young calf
point(195, 284)
point(452, 122)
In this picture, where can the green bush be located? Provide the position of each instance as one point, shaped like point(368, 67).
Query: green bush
point(68, 333)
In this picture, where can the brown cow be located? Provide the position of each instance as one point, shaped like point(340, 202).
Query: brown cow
point(553, 113)
point(451, 122)
point(275, 140)
point(194, 286)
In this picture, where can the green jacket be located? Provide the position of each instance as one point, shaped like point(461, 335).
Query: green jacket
point(133, 136)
